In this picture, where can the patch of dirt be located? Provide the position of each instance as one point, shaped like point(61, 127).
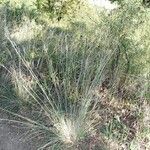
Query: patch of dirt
point(9, 139)
point(12, 136)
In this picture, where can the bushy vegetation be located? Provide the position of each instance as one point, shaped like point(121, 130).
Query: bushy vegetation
point(76, 76)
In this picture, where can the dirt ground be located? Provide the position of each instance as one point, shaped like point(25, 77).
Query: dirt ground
point(10, 139)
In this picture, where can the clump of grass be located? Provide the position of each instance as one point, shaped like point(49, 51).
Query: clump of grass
point(18, 78)
point(63, 93)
